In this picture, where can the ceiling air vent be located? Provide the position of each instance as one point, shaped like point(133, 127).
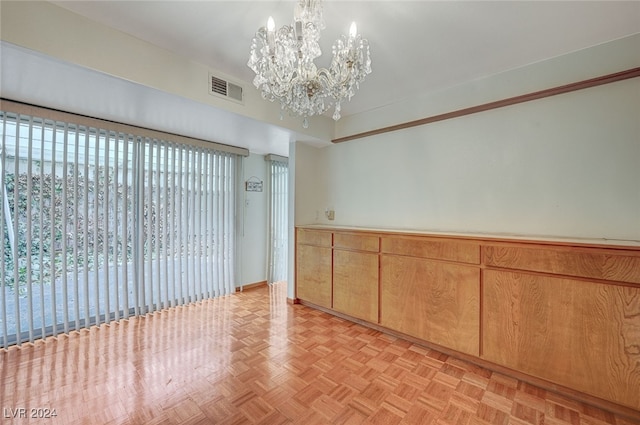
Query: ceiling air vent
point(225, 89)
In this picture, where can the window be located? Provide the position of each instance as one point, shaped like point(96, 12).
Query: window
point(278, 172)
point(101, 221)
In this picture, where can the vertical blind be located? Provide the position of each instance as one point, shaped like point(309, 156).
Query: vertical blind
point(278, 178)
point(100, 224)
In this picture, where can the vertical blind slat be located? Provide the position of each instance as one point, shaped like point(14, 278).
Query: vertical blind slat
point(117, 247)
point(189, 214)
point(29, 230)
point(180, 236)
point(158, 221)
point(187, 227)
point(196, 217)
point(191, 207)
point(149, 227)
point(96, 246)
point(225, 218)
point(52, 246)
point(207, 230)
point(282, 226)
point(105, 223)
point(85, 233)
point(212, 253)
point(14, 248)
point(197, 228)
point(3, 209)
point(221, 221)
point(172, 238)
point(135, 219)
point(65, 241)
point(125, 227)
point(76, 199)
point(41, 235)
point(218, 226)
point(140, 222)
point(277, 221)
point(165, 228)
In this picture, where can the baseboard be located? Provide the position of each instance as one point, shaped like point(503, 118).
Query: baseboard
point(251, 286)
point(293, 301)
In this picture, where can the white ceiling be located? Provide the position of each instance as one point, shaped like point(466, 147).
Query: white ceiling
point(416, 46)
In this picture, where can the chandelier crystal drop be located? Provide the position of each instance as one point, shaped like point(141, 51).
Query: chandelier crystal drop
point(283, 60)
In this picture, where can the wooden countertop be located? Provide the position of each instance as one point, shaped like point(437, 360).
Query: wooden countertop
point(551, 240)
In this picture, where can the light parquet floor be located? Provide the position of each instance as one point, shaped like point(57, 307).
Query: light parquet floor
point(250, 358)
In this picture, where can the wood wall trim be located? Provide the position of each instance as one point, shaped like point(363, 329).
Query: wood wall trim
point(567, 88)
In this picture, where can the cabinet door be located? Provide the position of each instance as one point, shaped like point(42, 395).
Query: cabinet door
point(580, 334)
point(355, 284)
point(435, 301)
point(313, 276)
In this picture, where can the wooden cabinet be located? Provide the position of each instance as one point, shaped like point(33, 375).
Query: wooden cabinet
point(355, 276)
point(567, 315)
point(314, 267)
point(579, 334)
point(430, 289)
point(434, 301)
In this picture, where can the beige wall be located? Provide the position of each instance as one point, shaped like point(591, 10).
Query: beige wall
point(564, 166)
point(253, 223)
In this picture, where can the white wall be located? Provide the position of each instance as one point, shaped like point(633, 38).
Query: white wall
point(311, 188)
point(90, 54)
point(254, 225)
point(593, 62)
point(307, 195)
point(564, 166)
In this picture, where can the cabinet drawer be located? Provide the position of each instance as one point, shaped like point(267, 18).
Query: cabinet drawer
point(356, 242)
point(314, 237)
point(621, 266)
point(437, 249)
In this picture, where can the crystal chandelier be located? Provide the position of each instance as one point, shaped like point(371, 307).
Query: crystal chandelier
point(283, 62)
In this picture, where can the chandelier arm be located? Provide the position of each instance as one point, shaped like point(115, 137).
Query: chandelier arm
point(329, 81)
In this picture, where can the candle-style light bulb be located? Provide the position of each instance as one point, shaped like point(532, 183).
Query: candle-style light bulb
point(297, 13)
point(353, 31)
point(271, 37)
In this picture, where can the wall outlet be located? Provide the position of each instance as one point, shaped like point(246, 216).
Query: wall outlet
point(331, 214)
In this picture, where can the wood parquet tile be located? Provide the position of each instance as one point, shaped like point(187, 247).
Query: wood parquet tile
point(250, 358)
